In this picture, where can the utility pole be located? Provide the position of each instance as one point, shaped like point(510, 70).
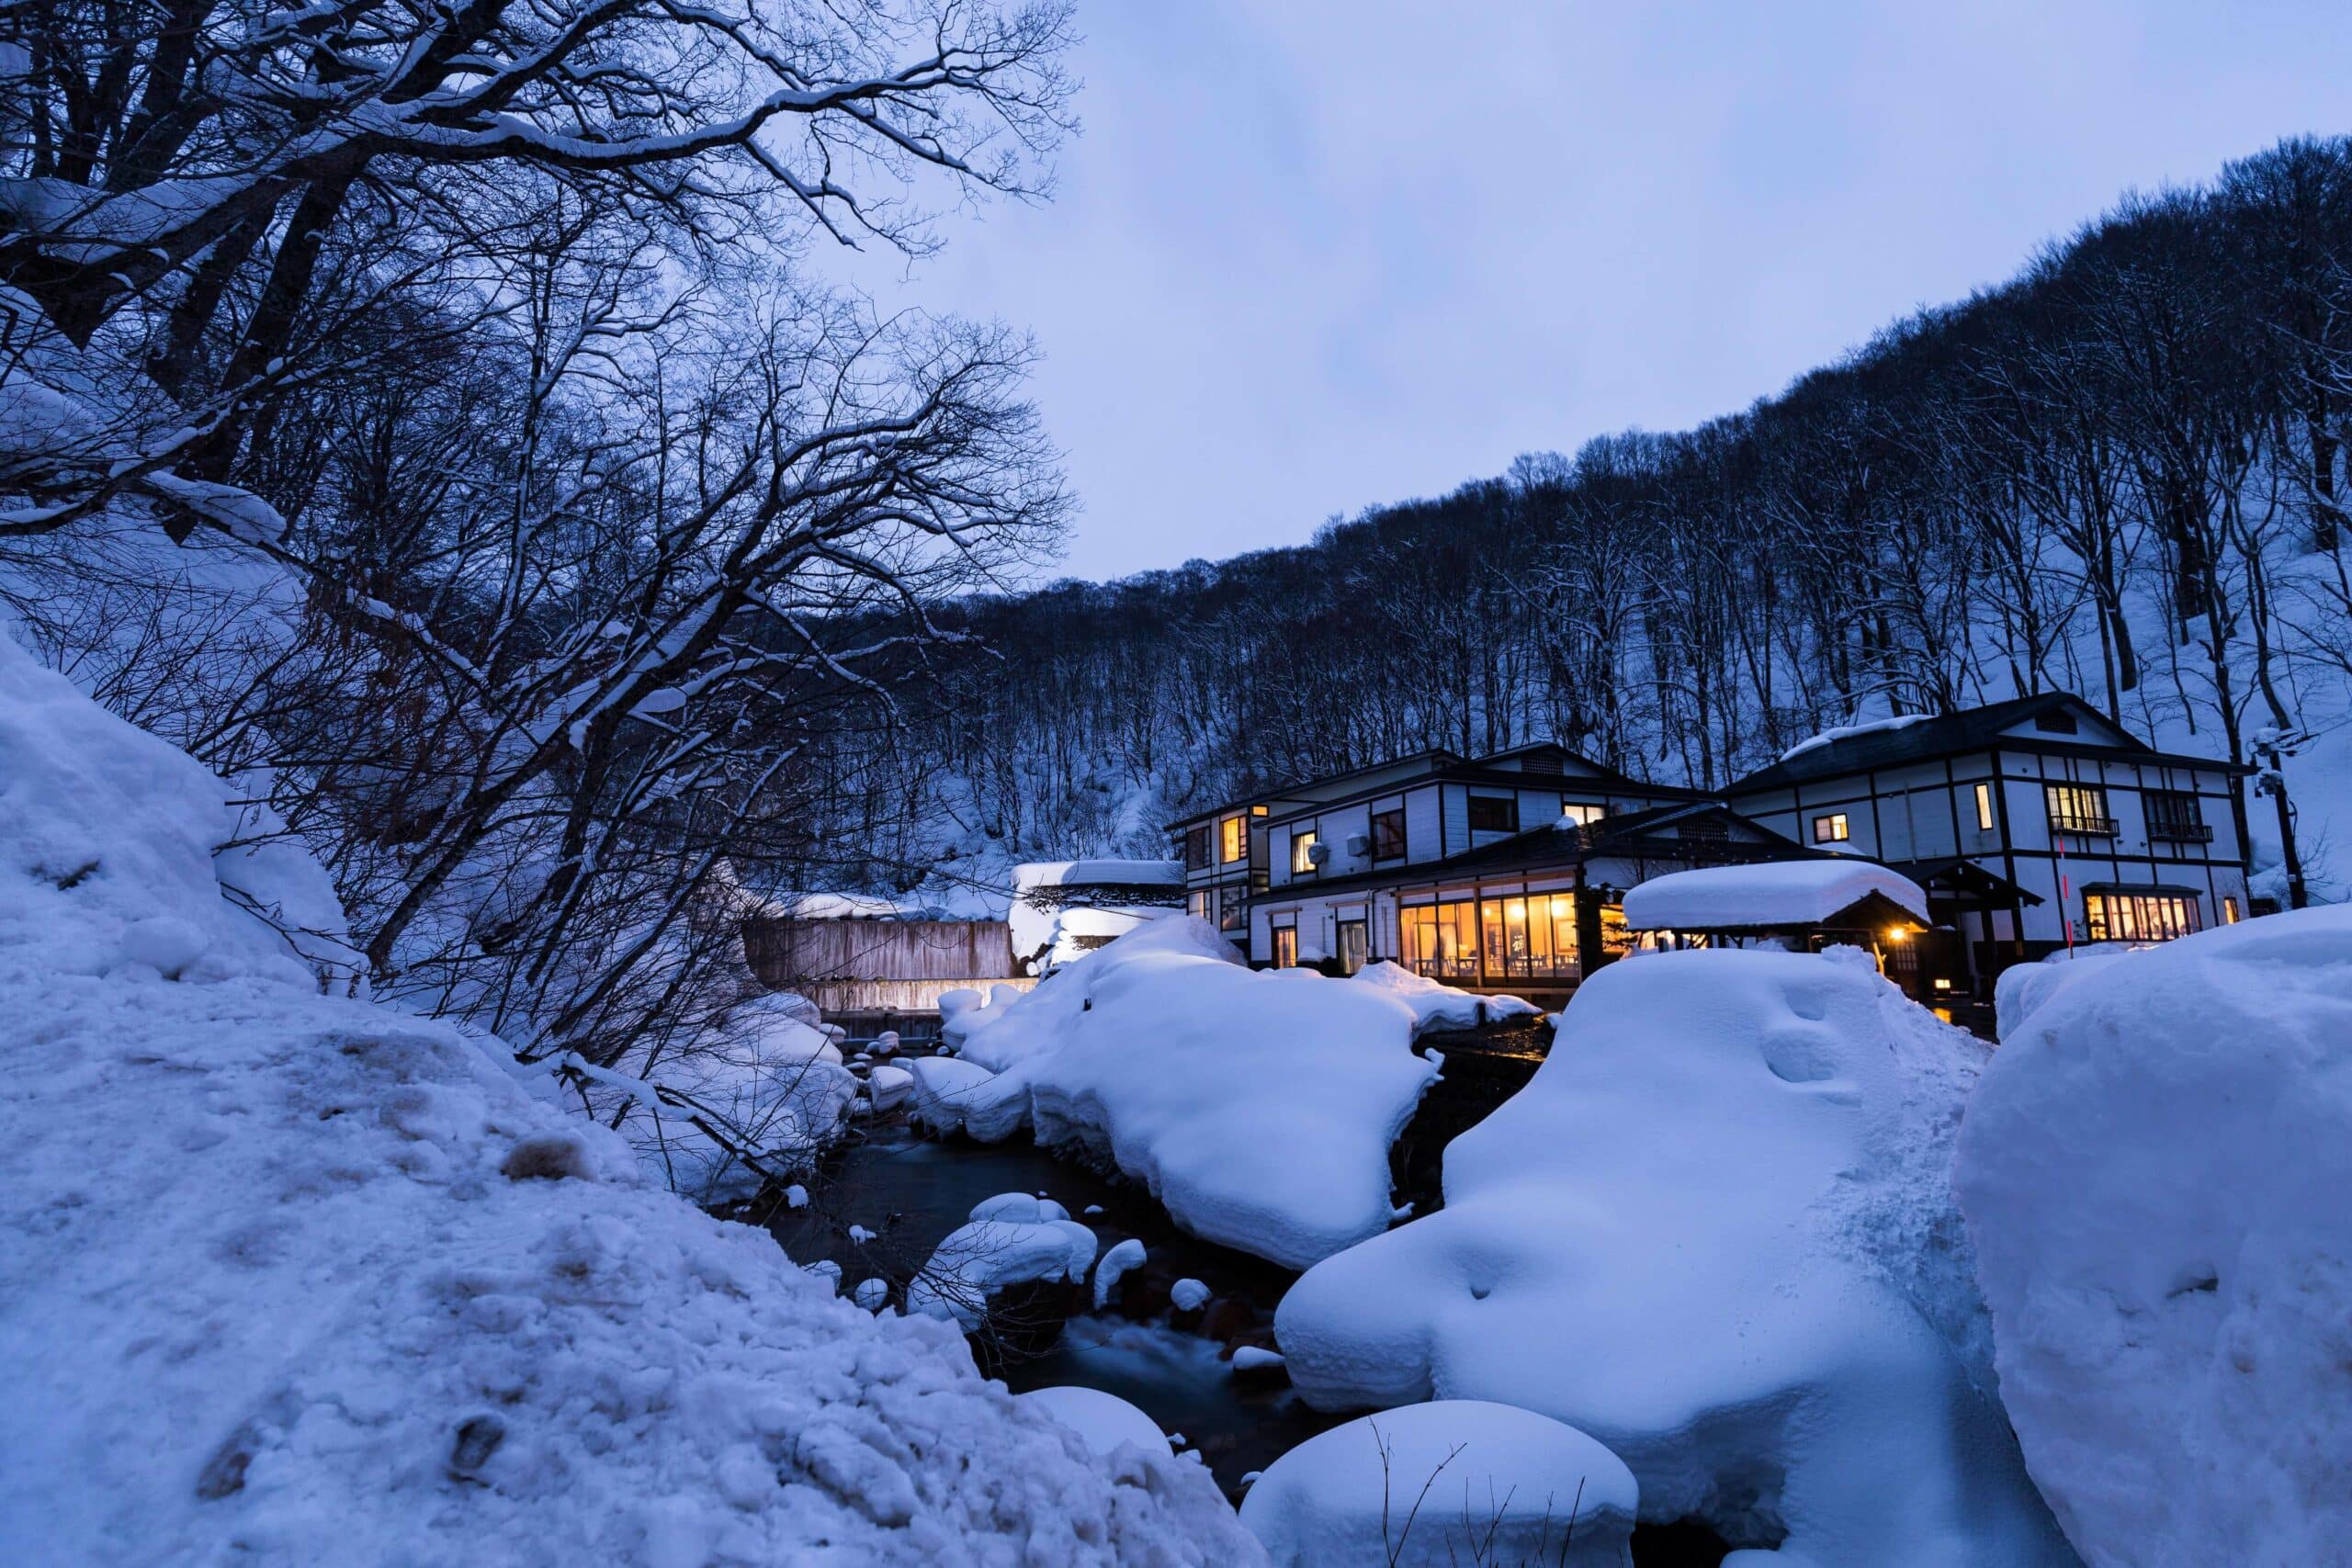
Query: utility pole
point(2271, 749)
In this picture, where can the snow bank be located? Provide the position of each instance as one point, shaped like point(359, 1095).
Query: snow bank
point(1011, 1240)
point(1102, 1422)
point(1063, 910)
point(1258, 1107)
point(1775, 892)
point(292, 1278)
point(2157, 1172)
point(1715, 1231)
point(775, 1080)
point(1452, 1481)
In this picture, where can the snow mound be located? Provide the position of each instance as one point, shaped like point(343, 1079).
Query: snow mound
point(1012, 1239)
point(1102, 1422)
point(1258, 1107)
point(1774, 893)
point(292, 1278)
point(772, 1077)
point(1452, 1482)
point(1715, 1231)
point(2155, 1171)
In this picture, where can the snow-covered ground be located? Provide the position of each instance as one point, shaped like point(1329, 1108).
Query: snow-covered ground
point(2157, 1172)
point(1716, 1233)
point(1257, 1107)
point(294, 1278)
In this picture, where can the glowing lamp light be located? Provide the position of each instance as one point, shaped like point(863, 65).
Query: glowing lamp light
point(1896, 933)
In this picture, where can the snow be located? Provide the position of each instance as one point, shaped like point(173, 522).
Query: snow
point(890, 1087)
point(1012, 1239)
point(1258, 1107)
point(1446, 1483)
point(1049, 928)
point(1126, 1254)
point(1189, 1295)
point(1847, 731)
point(296, 1278)
point(1102, 1422)
point(1773, 893)
point(1716, 1232)
point(2155, 1172)
point(775, 1080)
point(1252, 1358)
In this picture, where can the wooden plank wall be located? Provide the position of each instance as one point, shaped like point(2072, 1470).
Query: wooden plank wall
point(788, 954)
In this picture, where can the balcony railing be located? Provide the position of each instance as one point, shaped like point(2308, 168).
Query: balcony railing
point(2181, 832)
point(2083, 827)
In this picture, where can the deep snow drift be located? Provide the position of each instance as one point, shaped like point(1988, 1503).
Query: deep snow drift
point(296, 1278)
point(1716, 1233)
point(1772, 893)
point(2157, 1172)
point(1455, 1482)
point(1257, 1107)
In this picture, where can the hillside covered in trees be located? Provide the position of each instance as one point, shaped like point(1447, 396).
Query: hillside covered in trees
point(2122, 473)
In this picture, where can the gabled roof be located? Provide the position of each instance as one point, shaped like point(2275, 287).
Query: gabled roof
point(1338, 789)
point(1314, 789)
point(1929, 739)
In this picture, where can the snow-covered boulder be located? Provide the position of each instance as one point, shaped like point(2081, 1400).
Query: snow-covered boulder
point(1258, 1107)
point(292, 1278)
point(2157, 1172)
point(1452, 1482)
point(1011, 1240)
point(1716, 1233)
point(1102, 1422)
point(890, 1087)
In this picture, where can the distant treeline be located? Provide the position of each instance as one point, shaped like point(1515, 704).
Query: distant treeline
point(2121, 473)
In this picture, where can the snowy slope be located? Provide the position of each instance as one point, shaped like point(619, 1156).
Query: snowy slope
point(292, 1278)
point(2157, 1171)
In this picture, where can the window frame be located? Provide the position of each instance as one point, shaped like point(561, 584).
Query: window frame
point(2072, 820)
point(1985, 820)
point(1302, 844)
point(1286, 947)
point(1233, 840)
point(1508, 803)
point(1393, 814)
point(2181, 822)
point(1198, 842)
point(1839, 826)
point(2118, 914)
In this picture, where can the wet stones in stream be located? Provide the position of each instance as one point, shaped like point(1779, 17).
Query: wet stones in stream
point(1481, 1068)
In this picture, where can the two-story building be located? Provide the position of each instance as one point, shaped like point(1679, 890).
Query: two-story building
point(2031, 823)
point(1496, 873)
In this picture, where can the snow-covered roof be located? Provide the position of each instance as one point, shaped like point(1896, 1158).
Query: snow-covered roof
point(1847, 731)
point(1775, 893)
point(840, 907)
point(1116, 873)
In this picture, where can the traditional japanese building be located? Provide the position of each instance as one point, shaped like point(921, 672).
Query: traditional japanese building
point(2032, 824)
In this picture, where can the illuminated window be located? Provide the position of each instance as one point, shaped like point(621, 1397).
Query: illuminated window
point(1353, 945)
point(2080, 809)
point(1583, 815)
point(2138, 917)
point(1985, 807)
point(1440, 940)
point(1494, 814)
point(1201, 901)
point(1830, 828)
point(1389, 834)
point(2230, 910)
point(1497, 939)
point(1301, 853)
point(1286, 947)
point(1236, 840)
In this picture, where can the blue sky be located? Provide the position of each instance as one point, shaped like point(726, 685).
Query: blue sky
point(1308, 256)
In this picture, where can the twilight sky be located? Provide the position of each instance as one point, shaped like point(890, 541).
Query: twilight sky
point(1309, 256)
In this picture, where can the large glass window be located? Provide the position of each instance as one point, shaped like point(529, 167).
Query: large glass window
point(1494, 814)
point(1389, 834)
point(2138, 917)
point(1493, 940)
point(2080, 809)
point(1441, 939)
point(1236, 840)
point(1354, 947)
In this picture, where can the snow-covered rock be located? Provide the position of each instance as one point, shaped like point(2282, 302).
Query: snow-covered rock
point(1447, 1483)
point(1102, 1422)
point(2157, 1173)
point(1716, 1233)
point(292, 1278)
point(1258, 1107)
point(1116, 1263)
point(890, 1087)
point(1011, 1240)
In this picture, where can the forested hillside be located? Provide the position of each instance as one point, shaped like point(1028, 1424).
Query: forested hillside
point(2122, 473)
